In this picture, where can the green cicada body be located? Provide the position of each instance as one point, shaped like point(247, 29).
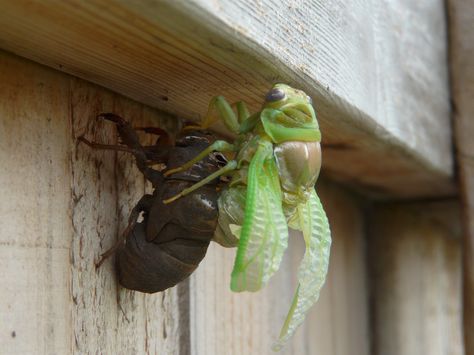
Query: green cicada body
point(276, 165)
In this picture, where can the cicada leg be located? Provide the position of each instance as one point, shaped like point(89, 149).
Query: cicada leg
point(143, 205)
point(242, 111)
point(143, 154)
point(152, 130)
point(117, 147)
point(219, 108)
point(230, 166)
point(217, 146)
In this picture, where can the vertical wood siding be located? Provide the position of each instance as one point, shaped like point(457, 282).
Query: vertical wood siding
point(62, 205)
point(35, 219)
point(461, 30)
point(415, 261)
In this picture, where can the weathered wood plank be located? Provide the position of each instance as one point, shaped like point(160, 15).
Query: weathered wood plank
point(223, 322)
point(36, 232)
point(415, 262)
point(381, 93)
point(57, 302)
point(63, 206)
point(461, 19)
point(106, 185)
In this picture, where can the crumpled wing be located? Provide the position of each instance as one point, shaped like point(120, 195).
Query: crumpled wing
point(264, 233)
point(311, 219)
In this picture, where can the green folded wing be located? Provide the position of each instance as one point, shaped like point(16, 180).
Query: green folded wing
point(311, 219)
point(264, 233)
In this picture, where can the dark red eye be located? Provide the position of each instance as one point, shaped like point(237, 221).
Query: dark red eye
point(275, 94)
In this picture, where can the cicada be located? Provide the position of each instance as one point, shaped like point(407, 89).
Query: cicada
point(272, 175)
point(171, 240)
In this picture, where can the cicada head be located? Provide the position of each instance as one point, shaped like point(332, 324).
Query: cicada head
point(282, 94)
point(288, 114)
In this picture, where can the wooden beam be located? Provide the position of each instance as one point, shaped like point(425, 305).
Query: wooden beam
point(461, 17)
point(381, 94)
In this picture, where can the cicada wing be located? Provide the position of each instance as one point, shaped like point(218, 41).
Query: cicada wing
point(264, 233)
point(311, 219)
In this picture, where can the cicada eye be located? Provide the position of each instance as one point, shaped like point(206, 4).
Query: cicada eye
point(275, 94)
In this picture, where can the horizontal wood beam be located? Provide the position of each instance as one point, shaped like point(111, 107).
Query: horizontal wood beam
point(377, 75)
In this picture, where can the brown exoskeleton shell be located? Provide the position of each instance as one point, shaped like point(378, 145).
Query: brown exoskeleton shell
point(168, 245)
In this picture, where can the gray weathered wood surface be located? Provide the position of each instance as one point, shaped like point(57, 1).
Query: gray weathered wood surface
point(376, 70)
point(63, 205)
point(415, 263)
point(461, 16)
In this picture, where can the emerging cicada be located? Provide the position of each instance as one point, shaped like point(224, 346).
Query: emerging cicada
point(277, 159)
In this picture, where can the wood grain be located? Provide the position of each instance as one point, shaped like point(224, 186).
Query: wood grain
point(461, 16)
point(56, 225)
point(63, 206)
point(381, 94)
point(223, 322)
point(415, 263)
point(36, 232)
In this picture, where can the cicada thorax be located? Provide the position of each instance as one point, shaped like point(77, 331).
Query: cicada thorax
point(231, 201)
point(197, 211)
point(299, 164)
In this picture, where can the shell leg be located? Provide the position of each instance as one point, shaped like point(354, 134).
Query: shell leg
point(230, 166)
point(217, 146)
point(143, 205)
